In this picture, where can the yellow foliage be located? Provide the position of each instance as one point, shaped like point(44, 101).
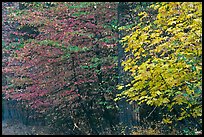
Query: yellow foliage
point(167, 62)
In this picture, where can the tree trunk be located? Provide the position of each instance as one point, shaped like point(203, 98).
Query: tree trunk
point(125, 108)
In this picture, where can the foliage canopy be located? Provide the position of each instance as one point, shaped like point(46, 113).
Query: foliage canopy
point(164, 58)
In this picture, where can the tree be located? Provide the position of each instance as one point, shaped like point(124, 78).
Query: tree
point(63, 71)
point(164, 55)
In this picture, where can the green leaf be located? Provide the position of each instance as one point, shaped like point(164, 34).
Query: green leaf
point(109, 107)
point(193, 68)
point(74, 48)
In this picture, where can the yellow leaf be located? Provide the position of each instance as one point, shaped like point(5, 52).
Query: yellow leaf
point(142, 97)
point(158, 92)
point(149, 102)
point(166, 100)
point(126, 67)
point(188, 91)
point(120, 87)
point(180, 118)
point(116, 99)
point(143, 93)
point(171, 22)
point(141, 13)
point(167, 120)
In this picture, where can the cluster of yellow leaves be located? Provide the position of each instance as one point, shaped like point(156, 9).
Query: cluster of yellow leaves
point(165, 58)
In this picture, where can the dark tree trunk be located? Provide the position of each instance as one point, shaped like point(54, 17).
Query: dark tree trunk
point(125, 108)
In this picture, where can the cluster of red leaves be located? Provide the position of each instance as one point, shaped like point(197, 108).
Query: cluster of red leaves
point(40, 73)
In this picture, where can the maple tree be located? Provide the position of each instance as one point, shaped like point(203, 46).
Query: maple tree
point(164, 58)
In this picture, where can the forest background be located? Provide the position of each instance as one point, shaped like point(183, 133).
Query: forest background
point(104, 67)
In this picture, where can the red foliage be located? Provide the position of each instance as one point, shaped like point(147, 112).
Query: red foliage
point(47, 79)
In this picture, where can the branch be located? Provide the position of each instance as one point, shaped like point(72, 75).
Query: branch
point(151, 112)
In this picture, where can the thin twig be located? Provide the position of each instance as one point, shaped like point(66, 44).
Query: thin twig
point(151, 112)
